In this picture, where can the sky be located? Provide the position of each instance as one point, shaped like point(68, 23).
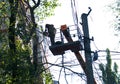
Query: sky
point(100, 26)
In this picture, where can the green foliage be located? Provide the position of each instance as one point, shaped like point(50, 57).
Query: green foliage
point(109, 76)
point(47, 77)
point(115, 68)
point(24, 21)
point(4, 9)
point(115, 7)
point(24, 67)
point(4, 14)
point(46, 8)
point(104, 78)
point(20, 61)
point(108, 58)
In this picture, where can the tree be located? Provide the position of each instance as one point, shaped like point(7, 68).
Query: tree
point(115, 7)
point(109, 76)
point(18, 26)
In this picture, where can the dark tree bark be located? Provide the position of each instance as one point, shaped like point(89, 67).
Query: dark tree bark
point(33, 31)
point(11, 37)
point(12, 18)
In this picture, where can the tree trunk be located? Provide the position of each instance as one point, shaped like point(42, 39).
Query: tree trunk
point(11, 36)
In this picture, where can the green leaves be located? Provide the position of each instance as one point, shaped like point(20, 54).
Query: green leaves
point(48, 78)
point(115, 7)
point(109, 75)
point(20, 21)
point(4, 9)
point(21, 58)
point(46, 8)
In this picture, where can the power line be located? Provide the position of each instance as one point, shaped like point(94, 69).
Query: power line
point(110, 51)
point(111, 59)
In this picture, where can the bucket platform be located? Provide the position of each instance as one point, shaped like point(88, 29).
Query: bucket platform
point(59, 49)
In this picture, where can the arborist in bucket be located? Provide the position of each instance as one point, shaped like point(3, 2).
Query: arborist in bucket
point(50, 31)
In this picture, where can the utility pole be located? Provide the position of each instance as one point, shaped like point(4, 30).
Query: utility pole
point(88, 58)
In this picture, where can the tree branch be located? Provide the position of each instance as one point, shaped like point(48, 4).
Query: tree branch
point(79, 74)
point(34, 1)
point(36, 5)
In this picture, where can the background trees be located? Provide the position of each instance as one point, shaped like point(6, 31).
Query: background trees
point(115, 7)
point(109, 75)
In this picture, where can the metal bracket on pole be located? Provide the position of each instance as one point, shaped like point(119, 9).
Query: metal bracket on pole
point(89, 11)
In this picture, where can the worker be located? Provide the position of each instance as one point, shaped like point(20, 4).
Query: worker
point(50, 31)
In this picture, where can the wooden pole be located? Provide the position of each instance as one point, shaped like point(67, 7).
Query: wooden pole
point(87, 49)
